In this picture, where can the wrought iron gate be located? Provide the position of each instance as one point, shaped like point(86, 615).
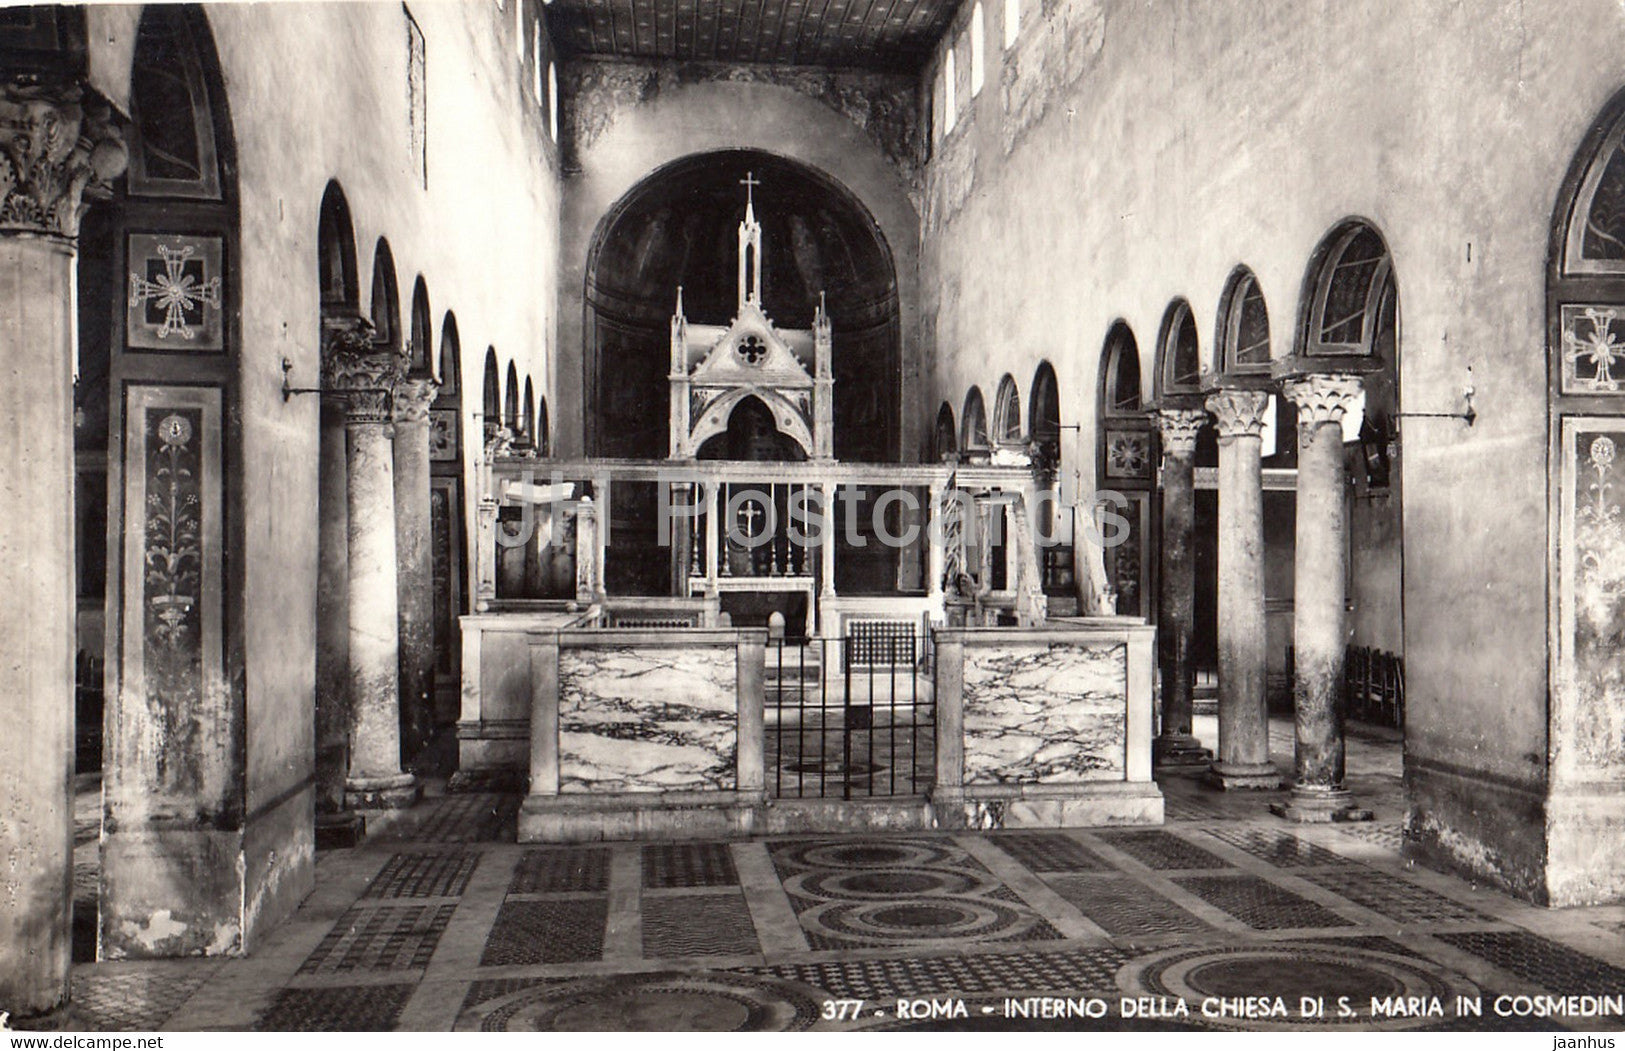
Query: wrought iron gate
point(853, 717)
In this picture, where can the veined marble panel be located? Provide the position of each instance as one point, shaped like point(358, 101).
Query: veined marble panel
point(647, 719)
point(1045, 713)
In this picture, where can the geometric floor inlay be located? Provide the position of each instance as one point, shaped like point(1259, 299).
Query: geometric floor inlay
point(430, 875)
point(136, 1002)
point(668, 865)
point(1123, 906)
point(698, 925)
point(389, 937)
point(1049, 852)
point(1553, 968)
point(1393, 897)
point(707, 1002)
point(1259, 903)
point(561, 869)
point(1281, 849)
point(536, 932)
point(359, 1009)
point(1294, 971)
point(1162, 850)
point(898, 891)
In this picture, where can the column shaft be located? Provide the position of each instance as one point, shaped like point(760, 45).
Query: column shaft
point(1176, 745)
point(1320, 583)
point(1244, 748)
point(414, 549)
point(332, 613)
point(37, 647)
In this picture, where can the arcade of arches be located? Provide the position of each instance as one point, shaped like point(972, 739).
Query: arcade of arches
point(1324, 386)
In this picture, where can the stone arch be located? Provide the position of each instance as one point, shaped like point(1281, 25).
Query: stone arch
point(786, 417)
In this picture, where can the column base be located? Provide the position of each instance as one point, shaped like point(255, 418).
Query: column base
point(1170, 751)
point(340, 830)
point(1243, 777)
point(1319, 806)
point(395, 792)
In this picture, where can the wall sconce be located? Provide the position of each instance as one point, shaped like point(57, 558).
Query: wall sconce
point(1469, 413)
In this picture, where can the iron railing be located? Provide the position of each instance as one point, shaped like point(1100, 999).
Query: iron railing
point(853, 717)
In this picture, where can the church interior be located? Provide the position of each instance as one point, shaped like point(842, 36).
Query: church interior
point(558, 514)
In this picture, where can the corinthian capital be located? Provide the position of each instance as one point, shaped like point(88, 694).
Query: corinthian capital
point(57, 151)
point(355, 369)
point(1323, 398)
point(413, 397)
point(1179, 429)
point(1238, 413)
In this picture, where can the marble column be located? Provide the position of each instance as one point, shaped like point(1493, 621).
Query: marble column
point(367, 378)
point(1320, 583)
point(1175, 744)
point(59, 146)
point(1244, 745)
point(414, 550)
point(335, 825)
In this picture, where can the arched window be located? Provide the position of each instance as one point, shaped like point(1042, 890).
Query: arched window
point(175, 153)
point(528, 423)
point(1126, 465)
point(1179, 368)
point(1351, 273)
point(386, 297)
point(950, 91)
point(1012, 22)
point(544, 433)
point(536, 67)
point(946, 438)
point(450, 357)
point(1007, 412)
point(978, 50)
point(422, 355)
point(1044, 415)
point(510, 401)
point(335, 248)
point(1244, 326)
point(973, 422)
point(491, 396)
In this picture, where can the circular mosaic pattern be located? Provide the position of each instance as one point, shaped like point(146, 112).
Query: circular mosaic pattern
point(869, 854)
point(886, 884)
point(911, 921)
point(1292, 971)
point(660, 1002)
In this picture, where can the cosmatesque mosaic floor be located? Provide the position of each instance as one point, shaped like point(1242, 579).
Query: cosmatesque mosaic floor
point(440, 922)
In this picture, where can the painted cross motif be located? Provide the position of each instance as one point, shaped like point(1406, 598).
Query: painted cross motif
point(1591, 350)
point(170, 297)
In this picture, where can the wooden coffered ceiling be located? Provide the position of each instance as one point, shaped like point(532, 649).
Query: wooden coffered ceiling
point(868, 34)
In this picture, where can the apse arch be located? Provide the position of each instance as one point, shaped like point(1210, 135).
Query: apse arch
point(678, 228)
point(670, 123)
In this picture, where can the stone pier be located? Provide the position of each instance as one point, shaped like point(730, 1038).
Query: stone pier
point(1175, 745)
point(1319, 635)
point(1244, 748)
